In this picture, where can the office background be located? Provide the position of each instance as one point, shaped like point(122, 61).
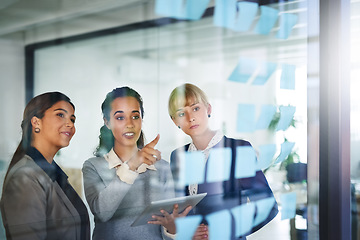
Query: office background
point(86, 48)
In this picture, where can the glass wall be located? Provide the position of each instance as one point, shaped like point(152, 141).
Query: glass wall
point(252, 62)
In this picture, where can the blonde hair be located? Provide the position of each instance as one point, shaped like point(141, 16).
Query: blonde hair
point(183, 95)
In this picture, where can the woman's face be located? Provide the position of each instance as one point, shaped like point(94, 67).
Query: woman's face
point(57, 126)
point(193, 119)
point(125, 121)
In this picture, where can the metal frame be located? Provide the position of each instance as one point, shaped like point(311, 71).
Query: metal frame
point(334, 193)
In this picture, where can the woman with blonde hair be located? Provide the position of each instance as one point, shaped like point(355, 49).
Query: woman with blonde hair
point(190, 111)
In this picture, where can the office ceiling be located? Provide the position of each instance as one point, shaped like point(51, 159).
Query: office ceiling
point(22, 15)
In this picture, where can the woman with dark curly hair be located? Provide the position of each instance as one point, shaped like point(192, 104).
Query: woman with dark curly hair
point(125, 176)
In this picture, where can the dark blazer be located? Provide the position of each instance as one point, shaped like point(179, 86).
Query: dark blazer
point(231, 193)
point(33, 206)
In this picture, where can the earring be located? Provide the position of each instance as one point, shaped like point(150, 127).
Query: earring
point(37, 130)
point(179, 127)
point(209, 116)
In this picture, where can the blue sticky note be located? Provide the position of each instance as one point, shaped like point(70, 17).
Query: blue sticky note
point(286, 148)
point(192, 168)
point(243, 70)
point(244, 215)
point(246, 118)
point(246, 15)
point(245, 165)
point(287, 80)
point(264, 207)
point(195, 8)
point(225, 13)
point(219, 224)
point(288, 205)
point(266, 70)
point(268, 18)
point(172, 8)
point(266, 154)
point(186, 226)
point(266, 116)
point(238, 76)
point(190, 9)
point(286, 116)
point(287, 22)
point(219, 165)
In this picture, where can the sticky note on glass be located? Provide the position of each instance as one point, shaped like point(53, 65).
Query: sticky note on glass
point(288, 205)
point(246, 15)
point(181, 9)
point(225, 13)
point(243, 215)
point(264, 207)
point(266, 116)
point(195, 8)
point(219, 165)
point(219, 224)
point(172, 8)
point(268, 18)
point(266, 154)
point(286, 117)
point(186, 226)
point(192, 168)
point(287, 23)
point(243, 70)
point(266, 69)
point(286, 148)
point(246, 118)
point(287, 80)
point(245, 165)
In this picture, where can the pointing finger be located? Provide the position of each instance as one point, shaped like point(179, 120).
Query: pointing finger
point(153, 142)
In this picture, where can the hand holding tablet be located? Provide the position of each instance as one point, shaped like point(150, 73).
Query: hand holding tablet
point(168, 219)
point(166, 209)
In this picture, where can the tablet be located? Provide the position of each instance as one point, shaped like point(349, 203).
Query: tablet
point(168, 205)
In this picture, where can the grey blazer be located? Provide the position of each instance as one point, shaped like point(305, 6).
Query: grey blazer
point(116, 204)
point(35, 207)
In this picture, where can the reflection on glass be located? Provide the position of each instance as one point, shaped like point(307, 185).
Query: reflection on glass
point(264, 65)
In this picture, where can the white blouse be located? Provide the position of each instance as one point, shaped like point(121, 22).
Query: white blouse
point(193, 188)
point(122, 169)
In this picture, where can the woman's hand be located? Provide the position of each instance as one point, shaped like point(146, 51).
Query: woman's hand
point(202, 232)
point(147, 155)
point(168, 220)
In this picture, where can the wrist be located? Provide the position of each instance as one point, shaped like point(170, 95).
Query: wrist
point(171, 229)
point(171, 232)
point(131, 165)
point(126, 174)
